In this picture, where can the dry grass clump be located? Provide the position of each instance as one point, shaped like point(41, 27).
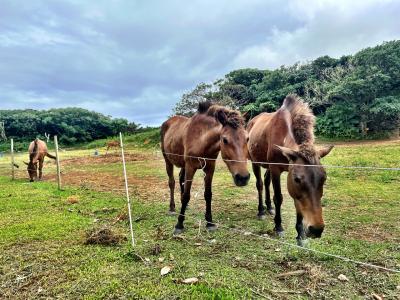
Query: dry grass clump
point(103, 236)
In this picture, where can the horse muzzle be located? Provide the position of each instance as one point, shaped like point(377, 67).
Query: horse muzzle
point(241, 180)
point(314, 231)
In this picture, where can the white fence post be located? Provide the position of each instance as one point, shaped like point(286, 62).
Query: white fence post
point(58, 163)
point(12, 160)
point(127, 189)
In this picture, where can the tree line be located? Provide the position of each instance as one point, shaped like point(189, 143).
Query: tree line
point(354, 96)
point(71, 125)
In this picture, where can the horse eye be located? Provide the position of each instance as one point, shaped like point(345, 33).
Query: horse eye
point(247, 139)
point(225, 140)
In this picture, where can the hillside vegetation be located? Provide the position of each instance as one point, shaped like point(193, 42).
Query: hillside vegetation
point(354, 96)
point(72, 125)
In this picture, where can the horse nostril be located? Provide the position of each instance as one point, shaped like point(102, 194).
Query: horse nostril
point(241, 180)
point(316, 231)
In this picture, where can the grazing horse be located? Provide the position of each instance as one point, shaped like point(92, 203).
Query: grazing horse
point(112, 144)
point(37, 152)
point(287, 137)
point(194, 143)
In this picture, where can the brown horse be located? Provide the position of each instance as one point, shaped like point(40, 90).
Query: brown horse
point(112, 144)
point(211, 130)
point(37, 151)
point(287, 137)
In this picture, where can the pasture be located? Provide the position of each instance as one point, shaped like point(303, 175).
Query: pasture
point(42, 232)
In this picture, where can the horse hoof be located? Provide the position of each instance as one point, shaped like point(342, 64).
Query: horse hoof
point(171, 213)
point(261, 217)
point(302, 243)
point(212, 228)
point(271, 211)
point(280, 234)
point(178, 231)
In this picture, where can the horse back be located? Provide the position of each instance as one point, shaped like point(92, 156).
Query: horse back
point(267, 130)
point(37, 150)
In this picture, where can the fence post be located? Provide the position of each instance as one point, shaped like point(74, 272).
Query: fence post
point(58, 163)
point(12, 160)
point(126, 189)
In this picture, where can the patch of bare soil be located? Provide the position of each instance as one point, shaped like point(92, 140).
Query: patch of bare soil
point(373, 234)
point(148, 188)
point(108, 158)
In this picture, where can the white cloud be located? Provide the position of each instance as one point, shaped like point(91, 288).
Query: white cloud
point(332, 28)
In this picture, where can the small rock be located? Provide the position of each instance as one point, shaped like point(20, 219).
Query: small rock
point(171, 257)
point(376, 297)
point(165, 270)
point(191, 280)
point(277, 249)
point(197, 244)
point(213, 241)
point(161, 259)
point(147, 259)
point(247, 233)
point(343, 277)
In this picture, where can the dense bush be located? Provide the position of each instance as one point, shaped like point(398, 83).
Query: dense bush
point(71, 125)
point(355, 96)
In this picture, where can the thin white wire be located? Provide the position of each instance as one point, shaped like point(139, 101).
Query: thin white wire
point(247, 233)
point(283, 242)
point(288, 164)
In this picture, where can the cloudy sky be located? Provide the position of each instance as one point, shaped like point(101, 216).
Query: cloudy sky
point(134, 59)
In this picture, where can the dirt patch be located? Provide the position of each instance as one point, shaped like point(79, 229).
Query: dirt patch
point(108, 158)
point(372, 234)
point(148, 188)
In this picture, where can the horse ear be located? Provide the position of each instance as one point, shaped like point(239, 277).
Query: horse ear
point(221, 117)
point(325, 151)
point(290, 154)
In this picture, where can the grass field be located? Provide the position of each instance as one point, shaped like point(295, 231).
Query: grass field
point(43, 232)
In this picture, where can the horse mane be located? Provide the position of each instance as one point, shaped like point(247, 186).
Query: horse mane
point(303, 121)
point(34, 154)
point(204, 106)
point(233, 117)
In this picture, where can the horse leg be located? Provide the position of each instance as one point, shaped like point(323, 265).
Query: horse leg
point(276, 183)
point(171, 182)
point(40, 169)
point(185, 197)
point(267, 182)
point(208, 195)
point(259, 185)
point(300, 232)
point(182, 179)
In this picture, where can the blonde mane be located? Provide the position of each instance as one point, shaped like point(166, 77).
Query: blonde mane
point(303, 122)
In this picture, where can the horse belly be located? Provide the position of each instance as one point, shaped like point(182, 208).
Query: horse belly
point(173, 149)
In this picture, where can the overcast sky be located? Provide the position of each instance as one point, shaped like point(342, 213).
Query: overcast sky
point(134, 59)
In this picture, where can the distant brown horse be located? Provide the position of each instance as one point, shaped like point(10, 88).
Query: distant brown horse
point(37, 151)
point(211, 130)
point(112, 144)
point(287, 136)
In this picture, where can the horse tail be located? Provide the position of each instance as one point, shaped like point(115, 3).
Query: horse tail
point(50, 156)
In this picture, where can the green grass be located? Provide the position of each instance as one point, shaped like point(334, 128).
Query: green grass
point(43, 254)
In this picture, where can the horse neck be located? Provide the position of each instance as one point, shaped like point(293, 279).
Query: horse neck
point(210, 140)
point(206, 142)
